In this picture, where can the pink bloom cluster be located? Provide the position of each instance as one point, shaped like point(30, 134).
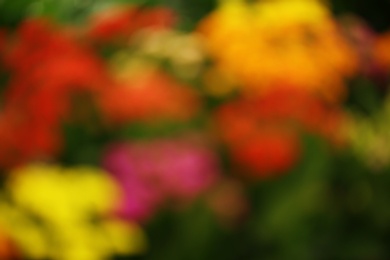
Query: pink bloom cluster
point(155, 172)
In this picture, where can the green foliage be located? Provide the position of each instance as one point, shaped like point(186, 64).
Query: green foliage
point(12, 12)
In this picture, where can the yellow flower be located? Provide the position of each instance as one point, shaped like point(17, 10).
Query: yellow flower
point(22, 230)
point(64, 214)
point(267, 43)
point(290, 12)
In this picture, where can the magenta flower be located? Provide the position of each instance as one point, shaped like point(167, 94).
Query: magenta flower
point(154, 172)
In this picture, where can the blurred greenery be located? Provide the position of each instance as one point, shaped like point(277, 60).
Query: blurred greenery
point(76, 11)
point(330, 207)
point(375, 12)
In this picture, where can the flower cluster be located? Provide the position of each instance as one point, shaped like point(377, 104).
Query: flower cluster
point(171, 118)
point(290, 73)
point(57, 77)
point(263, 132)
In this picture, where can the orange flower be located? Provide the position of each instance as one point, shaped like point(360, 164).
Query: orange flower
point(382, 50)
point(277, 42)
point(149, 95)
point(7, 248)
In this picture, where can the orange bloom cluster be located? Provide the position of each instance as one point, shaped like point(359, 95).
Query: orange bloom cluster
point(149, 95)
point(280, 42)
point(262, 133)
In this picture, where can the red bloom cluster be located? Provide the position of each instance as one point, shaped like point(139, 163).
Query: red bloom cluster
point(47, 67)
point(262, 133)
point(121, 22)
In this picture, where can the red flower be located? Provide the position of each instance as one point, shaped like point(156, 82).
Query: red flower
point(47, 67)
point(3, 44)
point(268, 153)
point(156, 18)
point(24, 138)
point(114, 23)
point(262, 133)
point(121, 22)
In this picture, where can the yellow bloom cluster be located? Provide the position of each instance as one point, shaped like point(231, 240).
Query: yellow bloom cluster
point(266, 43)
point(57, 213)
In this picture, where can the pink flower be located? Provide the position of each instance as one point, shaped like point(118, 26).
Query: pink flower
point(156, 171)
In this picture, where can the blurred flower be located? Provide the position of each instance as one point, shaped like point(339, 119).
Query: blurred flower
point(38, 98)
point(25, 139)
point(3, 42)
point(148, 94)
point(217, 83)
point(156, 18)
point(153, 172)
point(228, 202)
point(369, 137)
point(362, 37)
point(382, 51)
point(262, 133)
point(7, 248)
point(369, 47)
point(144, 91)
point(68, 62)
point(277, 42)
point(62, 213)
point(268, 153)
point(119, 23)
point(182, 52)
